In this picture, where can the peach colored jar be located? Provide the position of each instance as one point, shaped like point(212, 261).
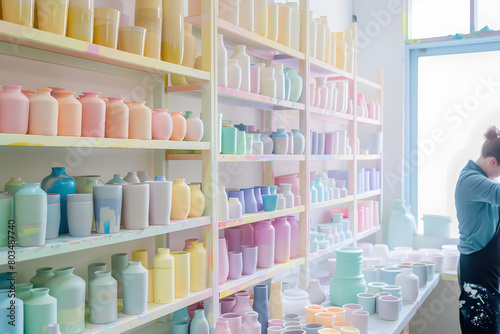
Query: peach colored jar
point(162, 124)
point(117, 116)
point(70, 115)
point(14, 110)
point(43, 113)
point(139, 121)
point(93, 115)
point(179, 126)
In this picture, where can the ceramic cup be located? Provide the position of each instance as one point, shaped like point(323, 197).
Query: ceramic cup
point(108, 208)
point(375, 287)
point(338, 311)
point(79, 214)
point(235, 265)
point(360, 321)
point(450, 260)
point(131, 39)
point(430, 270)
point(388, 308)
point(53, 216)
point(389, 275)
point(349, 308)
point(370, 275)
point(312, 328)
point(291, 317)
point(325, 318)
point(249, 254)
point(379, 272)
point(437, 259)
point(106, 23)
point(377, 299)
point(311, 310)
point(270, 202)
point(276, 323)
point(367, 301)
point(135, 206)
point(291, 323)
point(234, 321)
point(275, 330)
point(420, 269)
point(341, 324)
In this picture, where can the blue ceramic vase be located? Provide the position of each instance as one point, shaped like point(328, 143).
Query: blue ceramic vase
point(135, 288)
point(199, 324)
point(348, 280)
point(58, 182)
point(250, 201)
point(261, 305)
point(11, 313)
point(40, 310)
point(258, 197)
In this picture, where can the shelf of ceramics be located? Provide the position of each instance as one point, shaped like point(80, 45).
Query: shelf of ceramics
point(27, 38)
point(369, 83)
point(256, 217)
point(154, 311)
point(335, 202)
point(266, 157)
point(327, 157)
point(327, 251)
point(365, 120)
point(368, 157)
point(379, 326)
point(233, 286)
point(88, 142)
point(66, 244)
point(367, 233)
point(369, 194)
point(257, 45)
point(240, 98)
point(320, 68)
point(329, 115)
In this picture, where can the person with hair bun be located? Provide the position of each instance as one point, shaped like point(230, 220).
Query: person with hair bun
point(477, 200)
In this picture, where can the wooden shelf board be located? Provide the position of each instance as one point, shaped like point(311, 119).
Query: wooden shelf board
point(255, 217)
point(327, 204)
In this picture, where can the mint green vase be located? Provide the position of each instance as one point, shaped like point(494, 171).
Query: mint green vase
point(103, 298)
point(6, 205)
point(348, 280)
point(23, 290)
point(40, 310)
point(42, 275)
point(31, 215)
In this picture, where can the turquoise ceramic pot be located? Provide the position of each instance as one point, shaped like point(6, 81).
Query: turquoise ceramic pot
point(348, 280)
point(31, 215)
point(181, 315)
point(42, 275)
point(199, 325)
point(69, 290)
point(229, 140)
point(270, 202)
point(103, 298)
point(296, 84)
point(6, 207)
point(40, 310)
point(135, 288)
point(8, 305)
point(179, 327)
point(58, 182)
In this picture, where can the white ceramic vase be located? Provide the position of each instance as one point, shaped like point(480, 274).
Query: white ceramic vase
point(316, 294)
point(233, 74)
point(160, 200)
point(243, 58)
point(135, 207)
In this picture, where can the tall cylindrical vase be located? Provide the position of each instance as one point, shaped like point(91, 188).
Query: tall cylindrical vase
point(93, 115)
point(260, 17)
point(43, 113)
point(181, 272)
point(160, 201)
point(172, 47)
point(265, 240)
point(108, 208)
point(81, 20)
point(234, 238)
point(261, 306)
point(119, 262)
point(14, 110)
point(135, 288)
point(223, 261)
point(69, 290)
point(140, 119)
point(135, 206)
point(103, 298)
point(198, 267)
point(149, 15)
point(282, 240)
point(31, 215)
point(275, 301)
point(197, 201)
point(163, 271)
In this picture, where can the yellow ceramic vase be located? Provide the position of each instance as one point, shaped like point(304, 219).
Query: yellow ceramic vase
point(172, 47)
point(106, 23)
point(141, 255)
point(81, 20)
point(197, 199)
point(341, 51)
point(181, 274)
point(198, 266)
point(18, 11)
point(180, 200)
point(275, 301)
point(131, 39)
point(149, 15)
point(52, 15)
point(163, 281)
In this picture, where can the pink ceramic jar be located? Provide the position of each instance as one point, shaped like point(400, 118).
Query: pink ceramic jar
point(93, 115)
point(117, 115)
point(69, 116)
point(139, 121)
point(282, 240)
point(43, 113)
point(179, 126)
point(14, 110)
point(162, 125)
point(194, 128)
point(265, 240)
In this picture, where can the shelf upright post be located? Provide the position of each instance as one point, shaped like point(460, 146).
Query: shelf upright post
point(380, 99)
point(304, 126)
point(209, 98)
point(353, 135)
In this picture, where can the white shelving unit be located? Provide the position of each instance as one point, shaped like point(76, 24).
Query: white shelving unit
point(55, 49)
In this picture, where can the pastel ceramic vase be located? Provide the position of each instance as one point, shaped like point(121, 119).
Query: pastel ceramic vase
point(40, 310)
point(279, 76)
point(282, 240)
point(181, 272)
point(93, 115)
point(295, 26)
point(284, 24)
point(161, 124)
point(7, 300)
point(234, 73)
point(119, 262)
point(81, 20)
point(198, 267)
point(179, 128)
point(199, 324)
point(19, 12)
point(6, 207)
point(160, 201)
point(52, 16)
point(409, 284)
point(149, 15)
point(243, 58)
point(163, 271)
point(103, 291)
point(261, 306)
point(233, 236)
point(43, 113)
point(22, 290)
point(294, 237)
point(234, 321)
point(316, 293)
point(14, 110)
point(275, 301)
point(235, 208)
point(251, 324)
point(260, 17)
point(246, 15)
point(265, 240)
point(31, 215)
point(13, 185)
point(268, 82)
point(140, 118)
point(242, 305)
point(223, 204)
point(296, 84)
point(272, 22)
point(223, 261)
point(280, 140)
point(194, 129)
point(294, 303)
point(134, 288)
point(250, 256)
point(229, 11)
point(80, 215)
point(59, 182)
point(42, 275)
point(222, 327)
point(108, 208)
point(117, 118)
point(181, 200)
point(69, 290)
point(172, 47)
point(348, 280)
point(285, 189)
point(135, 206)
point(117, 179)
